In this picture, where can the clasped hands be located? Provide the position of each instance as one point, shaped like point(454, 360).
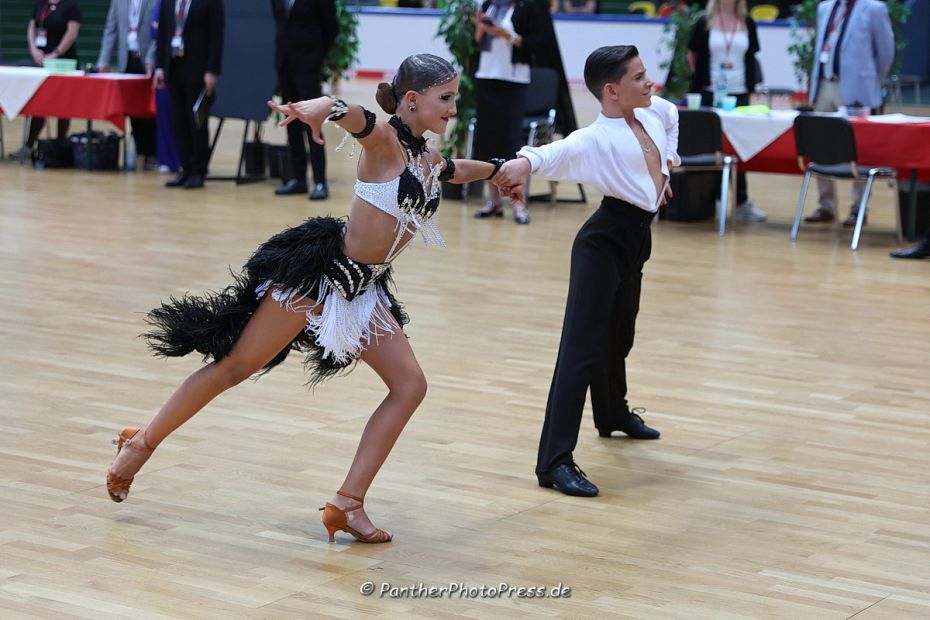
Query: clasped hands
point(511, 178)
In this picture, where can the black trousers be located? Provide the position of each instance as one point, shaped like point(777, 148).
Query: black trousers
point(143, 129)
point(193, 141)
point(298, 84)
point(597, 333)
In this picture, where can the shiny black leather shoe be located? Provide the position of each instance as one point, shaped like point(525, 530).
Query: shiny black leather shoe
point(319, 192)
point(194, 181)
point(177, 181)
point(921, 250)
point(569, 479)
point(633, 425)
point(291, 187)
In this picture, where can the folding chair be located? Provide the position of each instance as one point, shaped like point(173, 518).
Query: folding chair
point(700, 146)
point(828, 142)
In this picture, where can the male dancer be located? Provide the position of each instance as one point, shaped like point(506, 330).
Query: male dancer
point(625, 154)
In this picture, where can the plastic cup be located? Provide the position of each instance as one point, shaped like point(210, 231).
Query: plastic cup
point(729, 103)
point(694, 101)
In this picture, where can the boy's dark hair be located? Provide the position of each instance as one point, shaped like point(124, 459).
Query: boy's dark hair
point(607, 64)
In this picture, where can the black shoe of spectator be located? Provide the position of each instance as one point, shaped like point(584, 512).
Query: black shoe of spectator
point(633, 425)
point(178, 181)
point(319, 192)
point(194, 181)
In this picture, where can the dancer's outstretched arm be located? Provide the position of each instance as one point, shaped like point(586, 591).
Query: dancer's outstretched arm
point(353, 118)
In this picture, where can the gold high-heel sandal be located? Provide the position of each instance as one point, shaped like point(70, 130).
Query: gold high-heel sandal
point(336, 519)
point(115, 484)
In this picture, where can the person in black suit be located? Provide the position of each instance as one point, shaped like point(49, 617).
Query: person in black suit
point(188, 57)
point(305, 31)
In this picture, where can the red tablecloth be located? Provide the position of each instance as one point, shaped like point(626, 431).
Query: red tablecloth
point(93, 97)
point(905, 146)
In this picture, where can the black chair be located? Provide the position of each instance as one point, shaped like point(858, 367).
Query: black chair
point(700, 146)
point(539, 123)
point(829, 144)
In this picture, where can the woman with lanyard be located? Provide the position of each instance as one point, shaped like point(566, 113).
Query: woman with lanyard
point(722, 46)
point(127, 28)
point(52, 32)
point(508, 33)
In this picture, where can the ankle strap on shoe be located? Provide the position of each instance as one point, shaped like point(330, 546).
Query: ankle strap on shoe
point(344, 494)
point(145, 447)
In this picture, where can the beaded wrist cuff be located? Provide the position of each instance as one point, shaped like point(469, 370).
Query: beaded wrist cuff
point(340, 109)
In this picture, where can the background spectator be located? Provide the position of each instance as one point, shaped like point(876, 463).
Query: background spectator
point(188, 57)
point(51, 33)
point(127, 29)
point(722, 48)
point(305, 31)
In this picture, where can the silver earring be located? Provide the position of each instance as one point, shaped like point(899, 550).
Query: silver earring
point(413, 108)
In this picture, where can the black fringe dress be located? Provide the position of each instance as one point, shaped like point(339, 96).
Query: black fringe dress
point(305, 263)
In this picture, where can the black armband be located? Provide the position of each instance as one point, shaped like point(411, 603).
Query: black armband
point(369, 125)
point(498, 162)
point(448, 172)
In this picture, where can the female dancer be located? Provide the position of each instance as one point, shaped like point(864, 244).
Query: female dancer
point(323, 288)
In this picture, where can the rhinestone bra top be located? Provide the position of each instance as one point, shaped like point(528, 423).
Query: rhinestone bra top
point(411, 198)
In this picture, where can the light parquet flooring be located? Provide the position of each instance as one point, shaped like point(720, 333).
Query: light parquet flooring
point(790, 382)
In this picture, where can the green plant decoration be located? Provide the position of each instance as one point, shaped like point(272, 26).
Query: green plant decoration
point(675, 36)
point(803, 31)
point(898, 12)
point(344, 52)
point(457, 29)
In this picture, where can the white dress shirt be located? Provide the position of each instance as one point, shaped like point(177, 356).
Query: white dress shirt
point(496, 64)
point(608, 156)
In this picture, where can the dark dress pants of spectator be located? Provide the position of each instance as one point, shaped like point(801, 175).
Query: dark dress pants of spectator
point(299, 84)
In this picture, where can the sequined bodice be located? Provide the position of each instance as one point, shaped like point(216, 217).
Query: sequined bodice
point(411, 198)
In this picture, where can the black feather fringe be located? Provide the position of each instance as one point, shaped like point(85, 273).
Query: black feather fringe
point(211, 323)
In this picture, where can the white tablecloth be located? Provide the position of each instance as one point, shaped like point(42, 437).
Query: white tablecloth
point(750, 133)
point(17, 86)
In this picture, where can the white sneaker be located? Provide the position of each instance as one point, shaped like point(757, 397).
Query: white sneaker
point(747, 212)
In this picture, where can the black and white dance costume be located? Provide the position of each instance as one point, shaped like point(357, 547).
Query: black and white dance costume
point(306, 266)
point(606, 268)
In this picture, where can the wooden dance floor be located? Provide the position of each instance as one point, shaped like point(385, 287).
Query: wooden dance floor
point(791, 384)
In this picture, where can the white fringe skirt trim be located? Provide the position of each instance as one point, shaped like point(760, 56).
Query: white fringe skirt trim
point(343, 329)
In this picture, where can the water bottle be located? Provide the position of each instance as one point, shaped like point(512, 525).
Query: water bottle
point(719, 87)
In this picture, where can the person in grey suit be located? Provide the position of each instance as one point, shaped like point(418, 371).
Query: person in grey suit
point(128, 30)
point(853, 51)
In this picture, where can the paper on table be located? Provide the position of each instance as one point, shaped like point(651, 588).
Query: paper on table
point(898, 118)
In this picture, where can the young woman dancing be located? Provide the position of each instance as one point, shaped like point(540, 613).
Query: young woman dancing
point(323, 288)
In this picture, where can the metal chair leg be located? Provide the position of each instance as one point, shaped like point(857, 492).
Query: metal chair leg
point(801, 199)
point(469, 151)
point(863, 206)
point(724, 194)
point(899, 229)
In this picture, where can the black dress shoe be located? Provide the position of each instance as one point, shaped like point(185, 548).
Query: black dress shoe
point(319, 192)
point(921, 250)
point(194, 181)
point(178, 180)
point(632, 424)
point(291, 187)
point(569, 479)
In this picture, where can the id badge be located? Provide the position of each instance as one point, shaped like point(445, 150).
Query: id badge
point(133, 41)
point(726, 64)
point(41, 39)
point(177, 42)
point(824, 57)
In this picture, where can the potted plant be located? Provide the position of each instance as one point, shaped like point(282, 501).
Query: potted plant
point(344, 52)
point(675, 35)
point(457, 29)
